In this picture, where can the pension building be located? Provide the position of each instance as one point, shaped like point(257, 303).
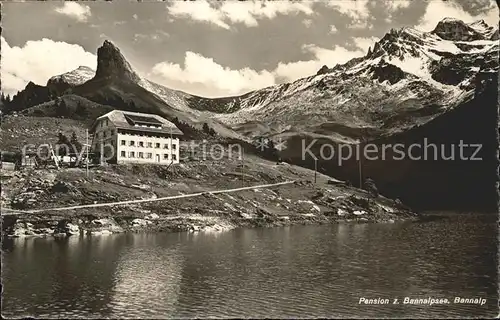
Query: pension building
point(133, 137)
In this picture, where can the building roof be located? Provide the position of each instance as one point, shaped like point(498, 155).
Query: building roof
point(127, 120)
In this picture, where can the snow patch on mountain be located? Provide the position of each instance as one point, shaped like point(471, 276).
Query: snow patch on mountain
point(401, 68)
point(75, 77)
point(483, 28)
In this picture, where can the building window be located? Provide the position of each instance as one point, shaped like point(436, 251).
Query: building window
point(131, 154)
point(165, 146)
point(157, 145)
point(150, 144)
point(165, 156)
point(131, 143)
point(123, 154)
point(149, 155)
point(123, 142)
point(140, 155)
point(174, 146)
point(174, 157)
point(141, 144)
point(106, 123)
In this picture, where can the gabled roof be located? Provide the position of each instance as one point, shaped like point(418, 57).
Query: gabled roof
point(127, 120)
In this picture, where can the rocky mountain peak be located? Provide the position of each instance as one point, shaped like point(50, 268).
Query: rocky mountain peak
point(112, 64)
point(31, 84)
point(58, 84)
point(324, 69)
point(457, 30)
point(479, 23)
point(483, 28)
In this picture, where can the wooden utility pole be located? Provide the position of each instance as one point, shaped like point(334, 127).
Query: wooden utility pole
point(56, 161)
point(359, 169)
point(315, 169)
point(242, 169)
point(170, 151)
point(360, 175)
point(87, 152)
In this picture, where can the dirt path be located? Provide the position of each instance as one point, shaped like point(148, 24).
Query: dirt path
point(95, 205)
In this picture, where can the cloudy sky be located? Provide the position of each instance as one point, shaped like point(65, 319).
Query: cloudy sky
point(209, 48)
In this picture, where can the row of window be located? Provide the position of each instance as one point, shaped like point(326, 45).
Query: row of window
point(146, 126)
point(104, 123)
point(104, 134)
point(140, 155)
point(148, 144)
point(97, 144)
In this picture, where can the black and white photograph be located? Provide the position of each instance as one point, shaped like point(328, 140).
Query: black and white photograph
point(280, 159)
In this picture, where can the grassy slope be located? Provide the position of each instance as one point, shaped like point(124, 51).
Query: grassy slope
point(115, 92)
point(76, 108)
point(19, 131)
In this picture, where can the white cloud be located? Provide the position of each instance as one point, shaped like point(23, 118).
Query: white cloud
point(394, 5)
point(271, 9)
point(356, 10)
point(198, 11)
point(75, 10)
point(199, 70)
point(333, 29)
point(307, 22)
point(38, 61)
point(365, 43)
point(437, 10)
point(329, 57)
point(204, 76)
point(295, 70)
point(240, 12)
point(246, 12)
point(360, 24)
point(155, 36)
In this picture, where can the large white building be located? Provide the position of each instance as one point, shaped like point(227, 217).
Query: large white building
point(132, 137)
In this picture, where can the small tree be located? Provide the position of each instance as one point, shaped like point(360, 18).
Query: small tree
point(61, 108)
point(63, 144)
point(271, 149)
point(206, 128)
point(370, 186)
point(75, 144)
point(80, 109)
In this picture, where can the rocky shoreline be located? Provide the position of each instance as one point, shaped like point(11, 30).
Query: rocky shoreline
point(352, 209)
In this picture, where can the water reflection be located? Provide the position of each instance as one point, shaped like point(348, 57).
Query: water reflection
point(308, 271)
point(147, 278)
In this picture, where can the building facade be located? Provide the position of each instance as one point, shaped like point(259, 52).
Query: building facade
point(132, 137)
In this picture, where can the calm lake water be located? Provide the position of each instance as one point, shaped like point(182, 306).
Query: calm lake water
point(298, 271)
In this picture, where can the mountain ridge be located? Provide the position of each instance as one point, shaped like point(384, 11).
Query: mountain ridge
point(112, 61)
point(424, 67)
